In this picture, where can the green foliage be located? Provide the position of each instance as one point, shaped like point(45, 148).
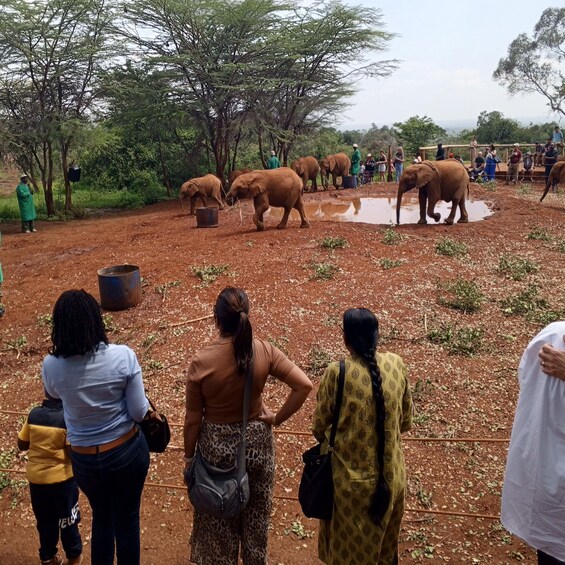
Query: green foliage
point(450, 247)
point(494, 127)
point(16, 344)
point(334, 242)
point(6, 458)
point(392, 237)
point(418, 132)
point(45, 320)
point(535, 65)
point(528, 304)
point(458, 340)
point(490, 185)
point(516, 268)
point(386, 263)
point(163, 288)
point(561, 246)
point(208, 274)
point(539, 233)
point(110, 324)
point(461, 295)
point(324, 271)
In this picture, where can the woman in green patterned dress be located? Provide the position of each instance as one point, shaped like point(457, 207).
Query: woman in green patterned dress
point(368, 471)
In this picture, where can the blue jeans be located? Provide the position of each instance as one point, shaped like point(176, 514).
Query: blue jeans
point(113, 481)
point(398, 170)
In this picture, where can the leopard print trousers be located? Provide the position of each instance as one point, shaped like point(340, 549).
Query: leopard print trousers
point(216, 541)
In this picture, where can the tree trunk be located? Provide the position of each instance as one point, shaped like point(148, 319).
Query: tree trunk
point(65, 166)
point(164, 171)
point(48, 183)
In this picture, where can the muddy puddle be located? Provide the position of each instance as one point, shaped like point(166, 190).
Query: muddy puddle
point(379, 210)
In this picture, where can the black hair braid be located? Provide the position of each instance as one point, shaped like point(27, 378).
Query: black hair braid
point(243, 343)
point(381, 497)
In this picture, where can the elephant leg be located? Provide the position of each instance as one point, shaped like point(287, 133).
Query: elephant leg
point(436, 215)
point(192, 205)
point(300, 207)
point(284, 221)
point(314, 185)
point(261, 206)
point(422, 198)
point(451, 218)
point(464, 216)
point(334, 180)
point(220, 203)
point(203, 198)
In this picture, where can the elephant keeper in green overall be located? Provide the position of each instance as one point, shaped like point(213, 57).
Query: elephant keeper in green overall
point(25, 202)
point(355, 162)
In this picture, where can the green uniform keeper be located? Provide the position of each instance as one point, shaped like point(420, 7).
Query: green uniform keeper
point(25, 202)
point(273, 162)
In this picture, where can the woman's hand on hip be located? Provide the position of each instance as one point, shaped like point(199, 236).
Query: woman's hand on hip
point(267, 416)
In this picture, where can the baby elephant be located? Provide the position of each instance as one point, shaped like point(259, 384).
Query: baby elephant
point(207, 186)
point(275, 187)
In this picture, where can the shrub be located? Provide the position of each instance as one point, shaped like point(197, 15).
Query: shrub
point(461, 295)
point(392, 237)
point(130, 200)
point(516, 268)
point(461, 341)
point(208, 274)
point(528, 304)
point(334, 242)
point(389, 263)
point(541, 234)
point(450, 247)
point(324, 271)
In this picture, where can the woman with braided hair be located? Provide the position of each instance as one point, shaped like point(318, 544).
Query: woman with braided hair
point(367, 462)
point(213, 420)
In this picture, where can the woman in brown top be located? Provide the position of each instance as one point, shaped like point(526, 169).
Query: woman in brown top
point(213, 419)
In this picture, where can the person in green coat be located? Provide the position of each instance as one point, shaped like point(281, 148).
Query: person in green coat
point(273, 162)
point(355, 162)
point(25, 202)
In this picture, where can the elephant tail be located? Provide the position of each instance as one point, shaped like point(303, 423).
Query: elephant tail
point(547, 185)
point(398, 203)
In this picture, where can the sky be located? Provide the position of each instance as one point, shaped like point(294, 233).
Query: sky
point(449, 51)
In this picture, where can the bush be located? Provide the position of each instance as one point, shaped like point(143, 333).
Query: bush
point(462, 295)
point(334, 242)
point(392, 237)
point(462, 341)
point(450, 247)
point(516, 268)
point(130, 200)
point(146, 184)
point(541, 234)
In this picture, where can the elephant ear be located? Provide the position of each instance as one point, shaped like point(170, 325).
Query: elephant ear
point(332, 162)
point(256, 186)
point(424, 174)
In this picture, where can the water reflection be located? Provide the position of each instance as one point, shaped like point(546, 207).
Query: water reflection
point(379, 210)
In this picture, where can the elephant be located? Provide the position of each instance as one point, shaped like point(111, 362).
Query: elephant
point(307, 168)
point(338, 165)
point(235, 173)
point(556, 176)
point(273, 187)
point(436, 180)
point(201, 187)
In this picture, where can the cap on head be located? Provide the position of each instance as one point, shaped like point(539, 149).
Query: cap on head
point(23, 177)
point(355, 146)
point(273, 153)
point(516, 145)
point(369, 155)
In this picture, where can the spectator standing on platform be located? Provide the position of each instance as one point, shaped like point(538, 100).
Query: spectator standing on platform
point(491, 161)
point(25, 202)
point(273, 162)
point(398, 163)
point(538, 157)
point(381, 164)
point(513, 164)
point(473, 149)
point(370, 166)
point(557, 139)
point(52, 487)
point(440, 153)
point(550, 158)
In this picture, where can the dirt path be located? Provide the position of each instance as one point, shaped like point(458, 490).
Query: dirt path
point(456, 396)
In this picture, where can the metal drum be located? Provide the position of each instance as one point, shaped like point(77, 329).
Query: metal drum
point(120, 287)
point(350, 181)
point(207, 217)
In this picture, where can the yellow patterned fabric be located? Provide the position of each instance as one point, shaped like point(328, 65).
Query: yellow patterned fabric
point(350, 536)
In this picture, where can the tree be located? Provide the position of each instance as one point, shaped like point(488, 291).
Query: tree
point(417, 132)
point(537, 64)
point(493, 127)
point(52, 53)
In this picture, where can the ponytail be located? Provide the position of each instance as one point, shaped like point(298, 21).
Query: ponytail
point(243, 343)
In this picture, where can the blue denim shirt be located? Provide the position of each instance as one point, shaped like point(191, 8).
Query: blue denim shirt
point(102, 393)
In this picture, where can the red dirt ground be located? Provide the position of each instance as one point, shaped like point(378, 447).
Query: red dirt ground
point(455, 396)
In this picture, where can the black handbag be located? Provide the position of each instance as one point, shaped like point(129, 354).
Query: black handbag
point(156, 431)
point(315, 493)
point(223, 493)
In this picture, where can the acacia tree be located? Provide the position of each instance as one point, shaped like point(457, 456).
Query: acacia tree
point(538, 64)
point(322, 51)
point(52, 54)
point(417, 132)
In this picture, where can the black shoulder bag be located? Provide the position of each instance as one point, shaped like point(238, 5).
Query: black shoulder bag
point(223, 493)
point(156, 430)
point(316, 486)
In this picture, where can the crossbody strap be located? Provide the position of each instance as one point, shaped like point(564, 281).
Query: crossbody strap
point(246, 403)
point(338, 399)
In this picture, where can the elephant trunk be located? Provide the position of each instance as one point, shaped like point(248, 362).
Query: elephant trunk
point(547, 185)
point(398, 203)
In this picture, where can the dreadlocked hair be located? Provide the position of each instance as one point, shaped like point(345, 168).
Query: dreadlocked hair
point(361, 330)
point(232, 314)
point(78, 327)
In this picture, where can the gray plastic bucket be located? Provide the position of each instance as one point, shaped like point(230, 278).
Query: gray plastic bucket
point(120, 287)
point(350, 181)
point(207, 217)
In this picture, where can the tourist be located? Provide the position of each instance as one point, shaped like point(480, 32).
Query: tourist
point(549, 159)
point(273, 162)
point(370, 166)
point(528, 163)
point(103, 397)
point(440, 153)
point(552, 359)
point(367, 461)
point(398, 163)
point(491, 159)
point(473, 149)
point(534, 481)
point(557, 139)
point(213, 420)
point(538, 156)
point(52, 487)
point(26, 205)
point(478, 171)
point(514, 164)
point(381, 164)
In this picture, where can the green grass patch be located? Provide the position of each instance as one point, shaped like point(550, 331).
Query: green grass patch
point(209, 273)
point(162, 289)
point(392, 237)
point(323, 271)
point(525, 189)
point(516, 268)
point(110, 324)
point(529, 304)
point(386, 263)
point(464, 340)
point(541, 234)
point(451, 248)
point(334, 242)
point(461, 295)
point(490, 185)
